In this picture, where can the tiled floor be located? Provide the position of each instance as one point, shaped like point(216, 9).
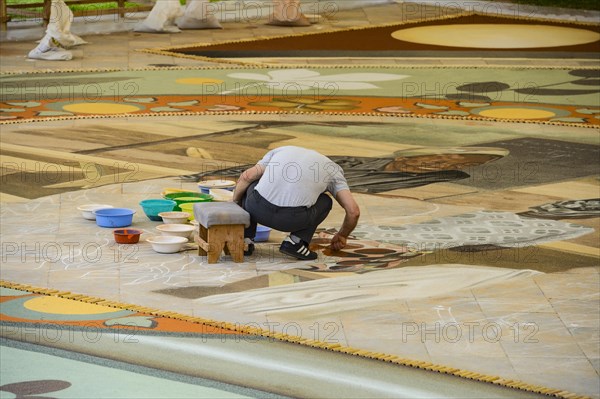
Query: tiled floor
point(540, 328)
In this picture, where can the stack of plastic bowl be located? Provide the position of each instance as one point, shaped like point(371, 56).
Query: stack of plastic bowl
point(187, 197)
point(152, 207)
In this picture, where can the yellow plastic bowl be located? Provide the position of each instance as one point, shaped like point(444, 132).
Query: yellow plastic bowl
point(189, 208)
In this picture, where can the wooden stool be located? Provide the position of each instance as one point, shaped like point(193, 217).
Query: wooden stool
point(221, 227)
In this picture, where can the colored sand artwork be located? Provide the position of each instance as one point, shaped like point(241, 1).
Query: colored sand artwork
point(475, 259)
point(558, 96)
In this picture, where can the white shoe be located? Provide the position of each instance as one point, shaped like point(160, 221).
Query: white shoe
point(51, 54)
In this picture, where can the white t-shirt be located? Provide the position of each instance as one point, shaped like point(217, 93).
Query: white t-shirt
point(296, 176)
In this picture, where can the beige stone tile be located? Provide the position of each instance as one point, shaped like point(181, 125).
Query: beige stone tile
point(596, 364)
point(350, 23)
point(75, 63)
point(149, 187)
point(525, 287)
point(390, 327)
point(184, 185)
point(385, 12)
point(542, 347)
point(568, 286)
point(588, 339)
point(23, 270)
point(580, 312)
point(13, 226)
point(446, 308)
point(529, 329)
point(508, 305)
point(94, 63)
point(76, 281)
point(450, 342)
point(409, 349)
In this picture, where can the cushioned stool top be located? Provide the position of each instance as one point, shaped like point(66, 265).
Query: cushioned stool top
point(214, 213)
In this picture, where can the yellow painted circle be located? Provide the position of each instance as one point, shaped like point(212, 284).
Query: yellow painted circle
point(517, 113)
point(100, 108)
point(55, 305)
point(496, 36)
point(198, 81)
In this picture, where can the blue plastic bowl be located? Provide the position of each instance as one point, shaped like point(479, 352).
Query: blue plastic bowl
point(152, 207)
point(114, 217)
point(262, 233)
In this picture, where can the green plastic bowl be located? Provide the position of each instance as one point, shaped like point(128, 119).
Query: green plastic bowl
point(181, 194)
point(188, 198)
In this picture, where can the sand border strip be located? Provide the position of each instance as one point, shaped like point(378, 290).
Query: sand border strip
point(422, 365)
point(291, 66)
point(347, 114)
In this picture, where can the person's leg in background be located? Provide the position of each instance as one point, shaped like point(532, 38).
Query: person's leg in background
point(287, 13)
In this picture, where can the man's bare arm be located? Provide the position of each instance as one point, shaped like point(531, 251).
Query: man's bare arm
point(346, 200)
point(246, 178)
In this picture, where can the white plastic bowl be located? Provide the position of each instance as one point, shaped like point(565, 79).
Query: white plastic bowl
point(87, 211)
point(174, 217)
point(177, 230)
point(167, 244)
point(206, 185)
point(221, 194)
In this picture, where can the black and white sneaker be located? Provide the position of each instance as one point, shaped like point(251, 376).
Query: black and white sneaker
point(298, 251)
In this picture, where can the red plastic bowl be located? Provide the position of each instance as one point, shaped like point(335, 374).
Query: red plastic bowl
point(127, 236)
